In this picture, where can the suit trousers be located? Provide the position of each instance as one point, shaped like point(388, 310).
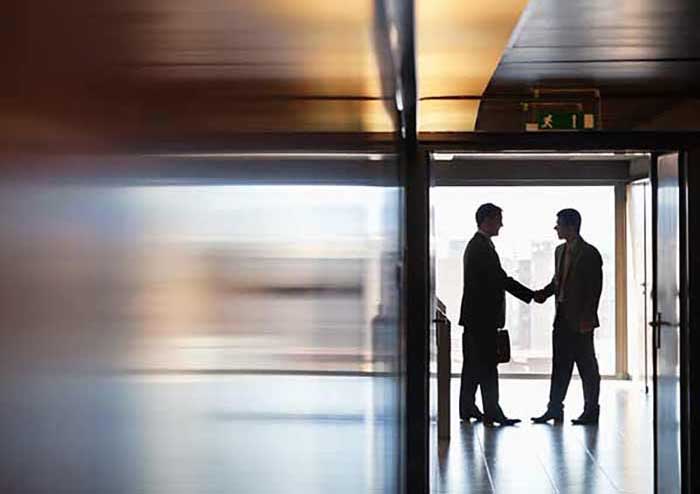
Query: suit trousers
point(570, 346)
point(479, 369)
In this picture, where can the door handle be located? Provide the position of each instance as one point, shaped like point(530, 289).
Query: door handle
point(656, 325)
point(659, 323)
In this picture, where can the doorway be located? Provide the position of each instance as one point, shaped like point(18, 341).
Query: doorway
point(624, 210)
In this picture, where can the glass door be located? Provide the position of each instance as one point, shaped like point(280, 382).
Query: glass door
point(667, 322)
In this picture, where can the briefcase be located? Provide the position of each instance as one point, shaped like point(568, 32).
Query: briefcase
point(502, 346)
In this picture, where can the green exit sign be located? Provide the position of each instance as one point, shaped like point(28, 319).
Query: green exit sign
point(562, 120)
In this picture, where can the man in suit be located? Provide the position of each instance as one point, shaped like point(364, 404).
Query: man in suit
point(577, 283)
point(483, 312)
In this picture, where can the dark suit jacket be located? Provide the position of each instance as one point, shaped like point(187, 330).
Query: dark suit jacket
point(485, 284)
point(583, 284)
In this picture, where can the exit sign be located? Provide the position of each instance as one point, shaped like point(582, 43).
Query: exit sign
point(562, 120)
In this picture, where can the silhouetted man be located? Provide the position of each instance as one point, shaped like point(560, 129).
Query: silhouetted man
point(577, 283)
point(483, 312)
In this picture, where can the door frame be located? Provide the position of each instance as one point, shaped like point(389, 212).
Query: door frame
point(688, 147)
point(656, 335)
point(556, 171)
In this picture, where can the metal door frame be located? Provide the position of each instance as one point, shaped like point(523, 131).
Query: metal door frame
point(417, 228)
point(608, 172)
point(654, 182)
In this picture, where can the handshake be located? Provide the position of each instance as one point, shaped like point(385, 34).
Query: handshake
point(539, 296)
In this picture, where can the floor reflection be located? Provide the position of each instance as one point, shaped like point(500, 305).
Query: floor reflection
point(615, 456)
point(203, 434)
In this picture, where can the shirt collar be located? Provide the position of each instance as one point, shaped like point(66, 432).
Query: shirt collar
point(574, 244)
point(488, 239)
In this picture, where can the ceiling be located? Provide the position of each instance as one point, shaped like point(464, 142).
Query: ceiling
point(643, 56)
point(458, 47)
point(621, 47)
point(84, 73)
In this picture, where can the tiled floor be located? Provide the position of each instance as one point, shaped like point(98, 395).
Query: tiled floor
point(615, 456)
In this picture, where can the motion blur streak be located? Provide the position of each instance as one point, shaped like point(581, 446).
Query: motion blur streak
point(199, 247)
point(91, 75)
point(159, 337)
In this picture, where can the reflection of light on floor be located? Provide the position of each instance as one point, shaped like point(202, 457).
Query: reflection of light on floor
point(615, 456)
point(206, 433)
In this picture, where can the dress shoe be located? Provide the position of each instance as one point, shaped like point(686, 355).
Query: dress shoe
point(557, 417)
point(474, 413)
point(489, 421)
point(587, 418)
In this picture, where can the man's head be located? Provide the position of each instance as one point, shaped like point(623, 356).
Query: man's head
point(568, 224)
point(489, 219)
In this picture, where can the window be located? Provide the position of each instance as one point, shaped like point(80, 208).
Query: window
point(526, 247)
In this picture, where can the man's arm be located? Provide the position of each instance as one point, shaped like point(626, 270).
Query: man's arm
point(593, 279)
point(546, 292)
point(551, 288)
point(518, 290)
point(505, 282)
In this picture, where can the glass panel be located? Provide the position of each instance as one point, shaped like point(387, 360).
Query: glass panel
point(639, 263)
point(667, 288)
point(526, 247)
point(199, 338)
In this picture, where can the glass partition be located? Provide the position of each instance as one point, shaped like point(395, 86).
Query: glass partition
point(216, 334)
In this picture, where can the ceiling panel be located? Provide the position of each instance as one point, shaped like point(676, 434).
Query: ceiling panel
point(458, 46)
point(627, 46)
point(91, 72)
point(630, 49)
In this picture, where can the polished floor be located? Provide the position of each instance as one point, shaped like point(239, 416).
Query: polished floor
point(274, 434)
point(201, 434)
point(615, 456)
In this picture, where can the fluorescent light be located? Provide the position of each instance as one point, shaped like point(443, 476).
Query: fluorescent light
point(294, 156)
point(440, 156)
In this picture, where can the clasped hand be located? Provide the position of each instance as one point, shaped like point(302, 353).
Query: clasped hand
point(539, 296)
